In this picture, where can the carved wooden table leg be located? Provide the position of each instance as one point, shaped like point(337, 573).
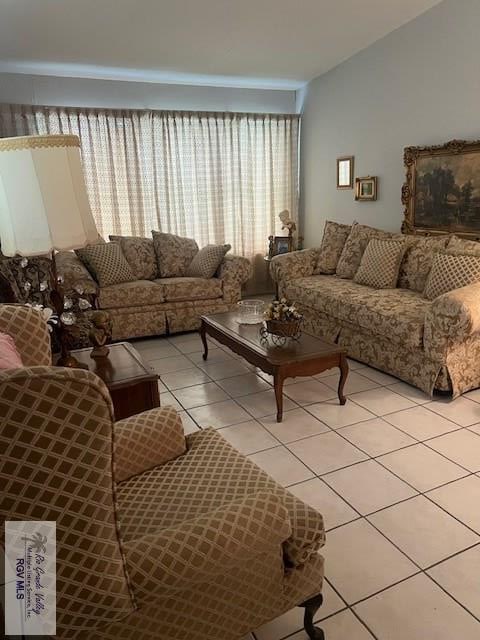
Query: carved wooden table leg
point(278, 386)
point(203, 335)
point(343, 378)
point(311, 607)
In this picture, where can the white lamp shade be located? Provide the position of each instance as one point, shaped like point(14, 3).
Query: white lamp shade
point(43, 200)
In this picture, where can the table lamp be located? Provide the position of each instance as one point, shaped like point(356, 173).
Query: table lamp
point(44, 207)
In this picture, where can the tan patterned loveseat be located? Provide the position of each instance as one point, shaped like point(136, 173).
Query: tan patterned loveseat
point(431, 344)
point(159, 537)
point(155, 306)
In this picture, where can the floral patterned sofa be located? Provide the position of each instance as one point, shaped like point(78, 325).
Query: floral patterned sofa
point(431, 344)
point(147, 307)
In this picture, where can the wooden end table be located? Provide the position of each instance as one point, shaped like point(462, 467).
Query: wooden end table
point(133, 386)
point(304, 357)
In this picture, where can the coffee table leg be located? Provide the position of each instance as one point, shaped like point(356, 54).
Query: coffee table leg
point(203, 335)
point(278, 385)
point(343, 378)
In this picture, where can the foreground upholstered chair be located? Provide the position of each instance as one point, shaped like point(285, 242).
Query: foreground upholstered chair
point(158, 536)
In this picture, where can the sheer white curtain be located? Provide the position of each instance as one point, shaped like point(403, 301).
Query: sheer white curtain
point(216, 177)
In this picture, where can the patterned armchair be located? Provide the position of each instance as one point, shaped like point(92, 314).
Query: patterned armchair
point(159, 536)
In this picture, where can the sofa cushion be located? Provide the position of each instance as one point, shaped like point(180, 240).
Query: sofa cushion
point(334, 237)
point(380, 264)
point(139, 293)
point(397, 314)
point(459, 246)
point(177, 289)
point(207, 260)
point(173, 253)
point(106, 263)
point(418, 260)
point(140, 255)
point(451, 272)
point(355, 245)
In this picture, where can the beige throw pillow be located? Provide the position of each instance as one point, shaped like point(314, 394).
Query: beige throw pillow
point(380, 264)
point(140, 255)
point(459, 246)
point(174, 254)
point(451, 272)
point(207, 261)
point(418, 261)
point(355, 245)
point(334, 238)
point(106, 263)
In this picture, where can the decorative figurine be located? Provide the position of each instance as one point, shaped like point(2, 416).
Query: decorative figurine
point(287, 222)
point(271, 247)
point(100, 334)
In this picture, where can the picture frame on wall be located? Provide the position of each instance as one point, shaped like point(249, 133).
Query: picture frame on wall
point(345, 172)
point(366, 188)
point(441, 193)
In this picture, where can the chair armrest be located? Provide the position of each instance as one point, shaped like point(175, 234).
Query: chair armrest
point(296, 264)
point(200, 550)
point(452, 318)
point(74, 273)
point(29, 331)
point(234, 271)
point(147, 440)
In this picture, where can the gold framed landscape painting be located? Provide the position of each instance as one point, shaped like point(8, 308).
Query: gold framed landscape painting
point(442, 188)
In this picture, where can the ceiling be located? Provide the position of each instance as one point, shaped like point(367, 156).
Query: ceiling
point(277, 43)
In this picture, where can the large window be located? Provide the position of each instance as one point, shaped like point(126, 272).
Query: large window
point(216, 177)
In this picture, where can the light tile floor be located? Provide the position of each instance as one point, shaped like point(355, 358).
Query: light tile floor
point(395, 474)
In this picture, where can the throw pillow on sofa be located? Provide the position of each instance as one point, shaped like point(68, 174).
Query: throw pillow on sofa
point(9, 356)
point(418, 261)
point(106, 263)
point(355, 245)
point(451, 272)
point(459, 246)
point(140, 255)
point(174, 254)
point(380, 264)
point(207, 260)
point(334, 237)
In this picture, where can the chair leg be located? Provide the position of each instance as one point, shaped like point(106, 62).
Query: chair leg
point(311, 607)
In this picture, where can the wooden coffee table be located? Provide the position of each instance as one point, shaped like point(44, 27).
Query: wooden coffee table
point(305, 357)
point(133, 386)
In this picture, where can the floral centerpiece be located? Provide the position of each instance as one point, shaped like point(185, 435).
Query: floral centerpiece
point(283, 319)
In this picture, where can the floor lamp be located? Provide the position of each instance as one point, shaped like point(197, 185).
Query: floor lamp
point(44, 208)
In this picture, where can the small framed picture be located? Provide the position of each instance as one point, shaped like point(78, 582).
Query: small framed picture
point(366, 188)
point(282, 244)
point(345, 172)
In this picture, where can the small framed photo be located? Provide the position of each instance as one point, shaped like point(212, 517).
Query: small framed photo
point(366, 188)
point(282, 244)
point(345, 172)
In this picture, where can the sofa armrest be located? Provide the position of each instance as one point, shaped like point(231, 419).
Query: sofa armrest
point(296, 264)
point(146, 440)
point(452, 318)
point(209, 546)
point(234, 271)
point(75, 274)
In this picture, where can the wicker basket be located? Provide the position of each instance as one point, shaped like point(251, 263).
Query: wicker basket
point(284, 328)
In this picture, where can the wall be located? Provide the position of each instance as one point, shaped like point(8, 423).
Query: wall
point(84, 92)
point(419, 85)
